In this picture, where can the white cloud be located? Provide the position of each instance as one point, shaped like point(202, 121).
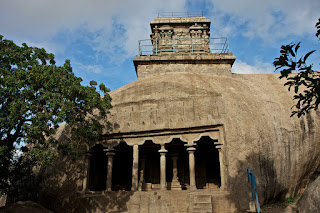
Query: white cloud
point(118, 25)
point(48, 46)
point(112, 28)
point(269, 20)
point(259, 67)
point(90, 68)
point(41, 20)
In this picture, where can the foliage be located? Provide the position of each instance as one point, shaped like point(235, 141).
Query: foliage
point(305, 79)
point(24, 182)
point(290, 200)
point(36, 96)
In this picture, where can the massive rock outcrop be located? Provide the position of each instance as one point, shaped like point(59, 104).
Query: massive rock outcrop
point(310, 200)
point(254, 110)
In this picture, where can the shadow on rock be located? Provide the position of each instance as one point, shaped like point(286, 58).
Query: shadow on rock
point(63, 192)
point(269, 189)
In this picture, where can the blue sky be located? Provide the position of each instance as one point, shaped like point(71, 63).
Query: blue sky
point(100, 37)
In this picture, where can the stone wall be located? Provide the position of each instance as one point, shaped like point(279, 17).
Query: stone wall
point(208, 64)
point(158, 69)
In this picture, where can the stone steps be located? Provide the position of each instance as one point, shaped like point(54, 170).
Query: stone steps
point(200, 203)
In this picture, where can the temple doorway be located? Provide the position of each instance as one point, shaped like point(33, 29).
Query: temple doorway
point(98, 169)
point(149, 177)
point(207, 164)
point(122, 167)
point(177, 169)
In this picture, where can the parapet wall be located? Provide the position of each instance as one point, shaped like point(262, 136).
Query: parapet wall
point(209, 64)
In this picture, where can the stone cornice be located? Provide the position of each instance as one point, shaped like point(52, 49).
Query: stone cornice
point(165, 136)
point(215, 58)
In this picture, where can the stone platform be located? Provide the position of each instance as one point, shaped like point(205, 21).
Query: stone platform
point(186, 201)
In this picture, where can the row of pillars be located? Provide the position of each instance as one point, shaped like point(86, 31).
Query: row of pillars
point(191, 149)
point(110, 153)
point(135, 168)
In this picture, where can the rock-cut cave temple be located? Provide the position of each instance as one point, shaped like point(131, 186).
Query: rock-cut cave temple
point(181, 137)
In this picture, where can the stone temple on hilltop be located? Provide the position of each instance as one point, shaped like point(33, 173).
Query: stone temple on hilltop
point(181, 137)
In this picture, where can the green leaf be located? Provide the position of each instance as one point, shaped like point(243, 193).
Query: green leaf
point(305, 76)
point(318, 27)
point(291, 51)
point(307, 55)
point(93, 83)
point(297, 47)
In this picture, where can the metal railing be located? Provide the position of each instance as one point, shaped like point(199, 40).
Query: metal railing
point(254, 191)
point(179, 14)
point(183, 45)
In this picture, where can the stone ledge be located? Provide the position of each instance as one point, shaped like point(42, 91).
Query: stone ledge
point(215, 58)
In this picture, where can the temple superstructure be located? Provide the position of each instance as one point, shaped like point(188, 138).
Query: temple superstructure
point(182, 44)
point(180, 35)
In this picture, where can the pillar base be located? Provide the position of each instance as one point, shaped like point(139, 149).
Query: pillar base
point(193, 188)
point(142, 187)
point(176, 187)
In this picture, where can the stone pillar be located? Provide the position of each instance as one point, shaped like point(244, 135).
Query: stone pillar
point(175, 184)
point(163, 153)
point(191, 151)
point(86, 172)
point(222, 169)
point(110, 154)
point(142, 172)
point(135, 167)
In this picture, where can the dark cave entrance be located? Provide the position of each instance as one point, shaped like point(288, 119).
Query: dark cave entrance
point(207, 164)
point(98, 169)
point(122, 167)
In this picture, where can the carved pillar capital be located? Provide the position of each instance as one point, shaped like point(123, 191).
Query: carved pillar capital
point(163, 151)
point(191, 149)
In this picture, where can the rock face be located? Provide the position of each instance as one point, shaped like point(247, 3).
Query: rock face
point(254, 111)
point(3, 200)
point(24, 207)
point(310, 199)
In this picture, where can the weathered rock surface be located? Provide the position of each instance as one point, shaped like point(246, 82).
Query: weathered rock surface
point(254, 110)
point(3, 200)
point(289, 209)
point(310, 199)
point(24, 207)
